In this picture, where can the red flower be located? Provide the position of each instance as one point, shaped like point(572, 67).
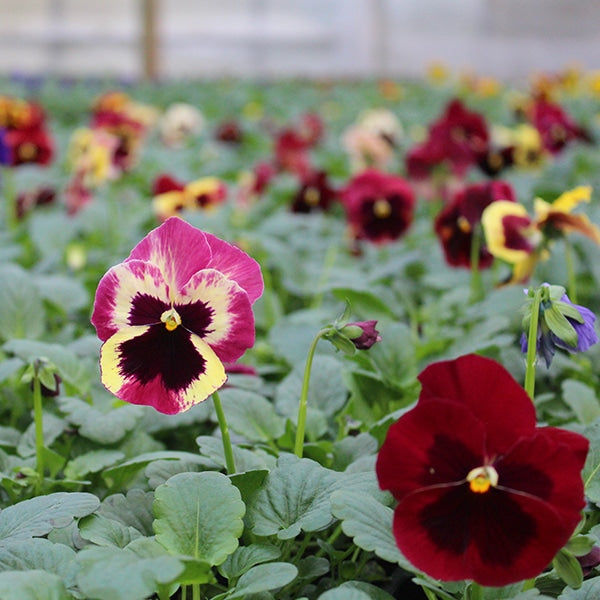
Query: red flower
point(556, 127)
point(28, 146)
point(166, 183)
point(482, 493)
point(27, 201)
point(456, 138)
point(456, 222)
point(379, 206)
point(314, 194)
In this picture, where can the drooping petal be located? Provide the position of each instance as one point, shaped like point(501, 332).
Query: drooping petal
point(218, 310)
point(437, 443)
point(169, 370)
point(488, 390)
point(237, 265)
point(130, 293)
point(177, 249)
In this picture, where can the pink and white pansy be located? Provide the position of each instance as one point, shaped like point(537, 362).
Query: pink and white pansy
point(172, 313)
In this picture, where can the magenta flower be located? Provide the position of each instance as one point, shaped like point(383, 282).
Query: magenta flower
point(172, 313)
point(482, 493)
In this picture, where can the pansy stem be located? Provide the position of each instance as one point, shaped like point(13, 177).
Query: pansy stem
point(8, 188)
point(38, 418)
point(571, 276)
point(227, 447)
point(532, 343)
point(196, 591)
point(476, 285)
point(301, 426)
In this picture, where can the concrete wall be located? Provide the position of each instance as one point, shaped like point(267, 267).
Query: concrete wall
point(344, 38)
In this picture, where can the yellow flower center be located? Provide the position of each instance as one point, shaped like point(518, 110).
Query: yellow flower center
point(463, 224)
point(171, 319)
point(482, 478)
point(312, 196)
point(382, 209)
point(27, 151)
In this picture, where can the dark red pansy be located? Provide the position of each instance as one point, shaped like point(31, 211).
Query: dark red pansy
point(556, 127)
point(379, 206)
point(314, 194)
point(166, 183)
point(459, 220)
point(483, 494)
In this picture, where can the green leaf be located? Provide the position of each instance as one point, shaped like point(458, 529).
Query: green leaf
point(91, 462)
point(69, 366)
point(117, 476)
point(355, 590)
point(65, 292)
point(568, 568)
point(294, 497)
point(591, 469)
point(103, 531)
point(133, 510)
point(263, 578)
point(40, 515)
point(369, 523)
point(120, 574)
point(199, 515)
point(245, 460)
point(21, 309)
point(248, 482)
point(246, 557)
point(52, 427)
point(38, 553)
point(582, 400)
point(102, 423)
point(589, 590)
point(326, 391)
point(251, 415)
point(351, 448)
point(10, 367)
point(365, 303)
point(32, 585)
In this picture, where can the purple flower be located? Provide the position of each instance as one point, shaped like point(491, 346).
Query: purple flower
point(573, 332)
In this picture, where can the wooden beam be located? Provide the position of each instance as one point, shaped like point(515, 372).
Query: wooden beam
point(149, 39)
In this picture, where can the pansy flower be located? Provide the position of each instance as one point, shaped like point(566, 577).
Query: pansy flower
point(555, 126)
point(314, 194)
point(455, 140)
point(171, 314)
point(203, 193)
point(459, 220)
point(482, 493)
point(179, 122)
point(521, 240)
point(379, 206)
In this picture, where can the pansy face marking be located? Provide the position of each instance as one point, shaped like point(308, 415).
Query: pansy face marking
point(172, 314)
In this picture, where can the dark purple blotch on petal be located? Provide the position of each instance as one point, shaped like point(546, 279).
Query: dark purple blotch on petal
point(170, 355)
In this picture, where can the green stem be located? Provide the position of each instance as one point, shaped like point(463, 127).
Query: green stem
point(38, 418)
point(571, 276)
point(476, 284)
point(301, 426)
point(475, 591)
point(528, 584)
point(430, 595)
point(196, 591)
point(8, 188)
point(184, 592)
point(532, 343)
point(227, 447)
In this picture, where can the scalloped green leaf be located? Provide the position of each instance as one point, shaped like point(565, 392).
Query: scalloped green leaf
point(252, 415)
point(294, 497)
point(369, 524)
point(22, 312)
point(355, 590)
point(40, 515)
point(32, 585)
point(263, 578)
point(199, 515)
point(246, 557)
point(120, 574)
